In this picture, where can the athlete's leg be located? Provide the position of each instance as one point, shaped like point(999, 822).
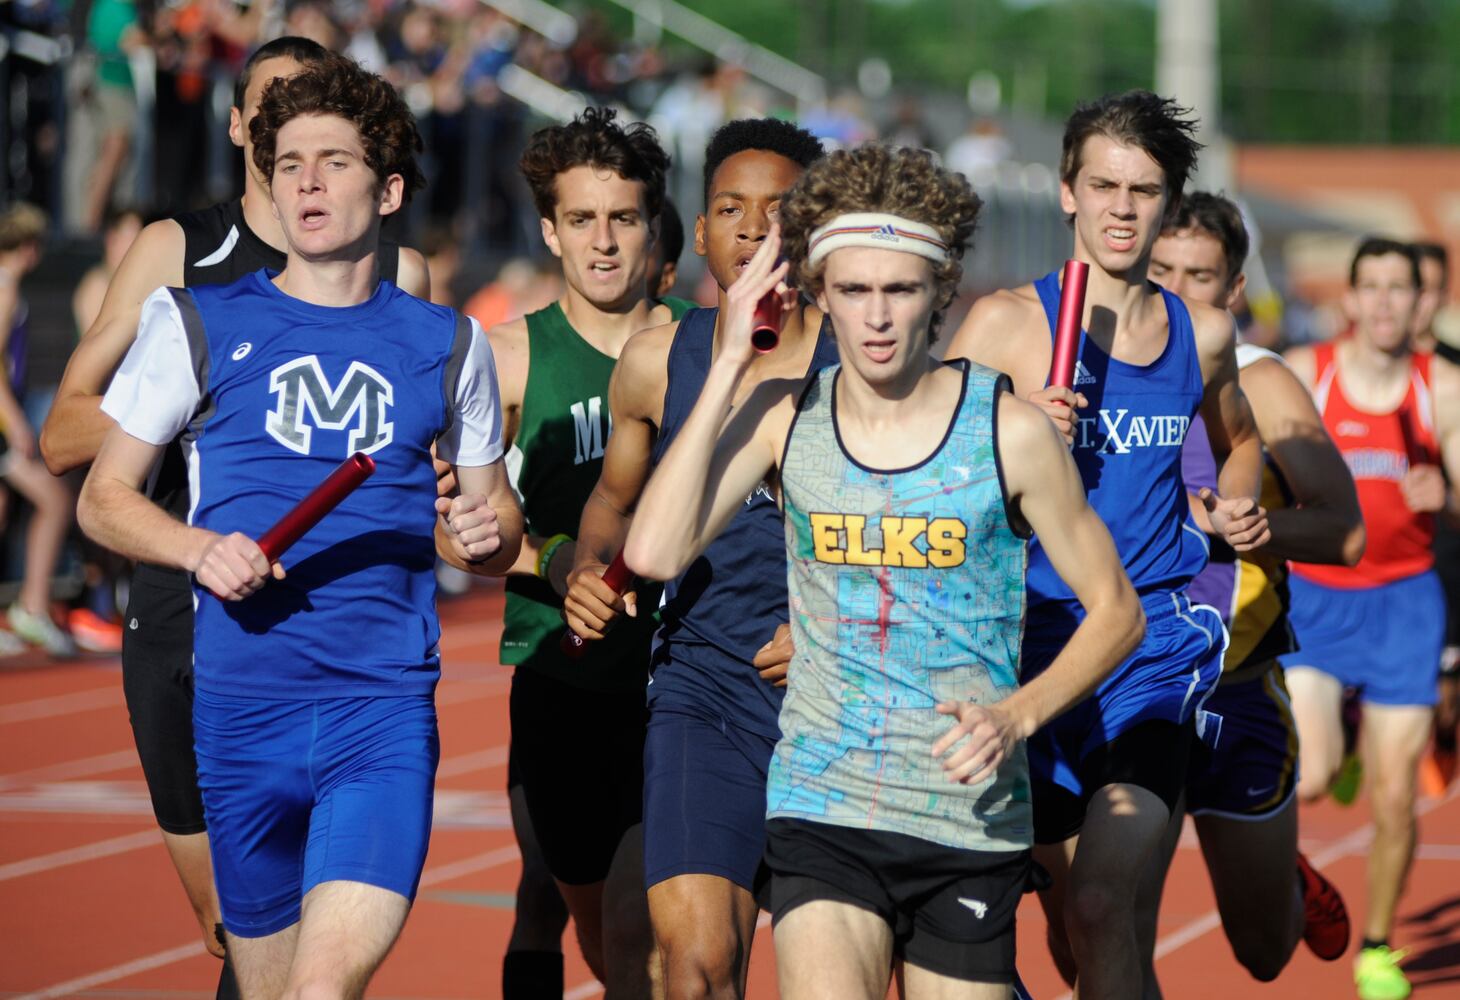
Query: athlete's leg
point(262, 963)
point(1254, 875)
point(1057, 859)
point(704, 925)
point(585, 905)
point(922, 984)
point(1318, 709)
point(1123, 826)
point(345, 931)
point(194, 864)
point(1148, 898)
point(1394, 736)
point(630, 960)
point(533, 967)
point(49, 521)
point(829, 950)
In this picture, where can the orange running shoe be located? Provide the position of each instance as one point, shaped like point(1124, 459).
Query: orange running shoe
point(1325, 918)
point(94, 633)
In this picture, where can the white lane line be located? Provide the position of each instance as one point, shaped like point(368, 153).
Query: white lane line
point(84, 768)
point(76, 855)
point(131, 968)
point(466, 763)
point(466, 866)
point(62, 704)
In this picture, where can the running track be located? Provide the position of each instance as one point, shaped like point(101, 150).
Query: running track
point(90, 907)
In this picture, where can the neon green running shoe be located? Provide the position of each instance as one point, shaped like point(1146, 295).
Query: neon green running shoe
point(1345, 787)
point(1378, 976)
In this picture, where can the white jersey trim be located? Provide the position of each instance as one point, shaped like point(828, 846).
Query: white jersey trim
point(221, 254)
point(155, 392)
point(475, 436)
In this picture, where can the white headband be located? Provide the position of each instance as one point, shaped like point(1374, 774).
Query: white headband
point(879, 231)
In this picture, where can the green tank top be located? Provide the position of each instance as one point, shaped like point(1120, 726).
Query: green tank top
point(554, 464)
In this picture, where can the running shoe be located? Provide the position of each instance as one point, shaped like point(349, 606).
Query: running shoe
point(39, 630)
point(1378, 976)
point(10, 644)
point(1325, 918)
point(94, 633)
point(1345, 787)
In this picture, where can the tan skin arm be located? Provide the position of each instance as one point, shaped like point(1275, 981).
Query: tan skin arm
point(480, 531)
point(74, 429)
point(412, 276)
point(1045, 489)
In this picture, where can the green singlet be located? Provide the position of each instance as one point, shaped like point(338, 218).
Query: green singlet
point(554, 464)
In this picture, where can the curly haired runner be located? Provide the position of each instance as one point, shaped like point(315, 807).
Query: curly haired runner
point(314, 717)
point(899, 818)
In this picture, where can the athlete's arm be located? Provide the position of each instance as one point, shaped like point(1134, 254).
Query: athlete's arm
point(1044, 487)
point(1233, 509)
point(1008, 332)
point(412, 276)
point(1325, 524)
point(480, 531)
point(713, 464)
point(1446, 379)
point(76, 426)
point(635, 402)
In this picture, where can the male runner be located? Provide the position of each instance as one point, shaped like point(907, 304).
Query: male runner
point(908, 487)
point(314, 717)
point(1438, 769)
point(712, 703)
point(1107, 775)
point(1378, 626)
point(599, 189)
point(1241, 786)
point(218, 245)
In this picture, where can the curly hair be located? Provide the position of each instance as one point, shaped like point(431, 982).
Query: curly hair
point(770, 135)
point(878, 178)
point(1158, 125)
point(594, 139)
point(338, 86)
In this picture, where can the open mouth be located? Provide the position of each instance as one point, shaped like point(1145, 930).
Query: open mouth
point(743, 261)
point(880, 351)
point(603, 268)
point(313, 218)
point(1120, 238)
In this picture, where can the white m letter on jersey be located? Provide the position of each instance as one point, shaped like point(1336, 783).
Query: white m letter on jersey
point(587, 430)
point(362, 398)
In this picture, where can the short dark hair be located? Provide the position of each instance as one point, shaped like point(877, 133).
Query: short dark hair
point(1158, 125)
point(338, 86)
point(301, 50)
point(1436, 252)
point(671, 233)
point(1381, 246)
point(594, 139)
point(769, 134)
point(1218, 217)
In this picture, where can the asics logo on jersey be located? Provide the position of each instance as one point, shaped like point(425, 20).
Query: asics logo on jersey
point(978, 906)
point(241, 351)
point(589, 430)
point(1082, 374)
point(842, 539)
point(306, 397)
point(1118, 432)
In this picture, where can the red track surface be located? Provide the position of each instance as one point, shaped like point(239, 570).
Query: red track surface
point(89, 905)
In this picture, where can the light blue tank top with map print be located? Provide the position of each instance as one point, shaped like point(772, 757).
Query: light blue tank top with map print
point(907, 589)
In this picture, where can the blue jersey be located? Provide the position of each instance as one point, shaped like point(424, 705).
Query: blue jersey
point(270, 394)
point(1128, 449)
point(727, 605)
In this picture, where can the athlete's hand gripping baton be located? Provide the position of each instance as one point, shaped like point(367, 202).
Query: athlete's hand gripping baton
point(618, 578)
point(765, 323)
point(321, 500)
point(1067, 326)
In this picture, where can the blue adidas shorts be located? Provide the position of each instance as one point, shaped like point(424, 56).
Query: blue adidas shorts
point(1383, 641)
point(302, 792)
point(1247, 768)
point(704, 797)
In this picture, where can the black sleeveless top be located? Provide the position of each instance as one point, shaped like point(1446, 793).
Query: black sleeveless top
point(220, 249)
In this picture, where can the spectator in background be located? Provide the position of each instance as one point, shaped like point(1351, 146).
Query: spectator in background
point(521, 286)
point(978, 149)
point(22, 228)
point(909, 127)
point(1434, 272)
point(101, 135)
point(119, 230)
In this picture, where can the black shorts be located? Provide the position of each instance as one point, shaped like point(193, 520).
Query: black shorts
point(1152, 755)
point(580, 759)
point(157, 679)
point(951, 911)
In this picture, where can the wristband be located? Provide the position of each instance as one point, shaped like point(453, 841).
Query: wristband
point(548, 550)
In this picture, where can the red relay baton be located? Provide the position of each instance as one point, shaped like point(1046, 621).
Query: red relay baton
point(321, 500)
point(618, 578)
point(765, 325)
point(1067, 326)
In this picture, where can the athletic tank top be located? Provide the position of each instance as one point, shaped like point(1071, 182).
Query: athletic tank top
point(554, 464)
point(219, 248)
point(730, 600)
point(17, 347)
point(1379, 449)
point(906, 590)
point(1128, 449)
point(1251, 592)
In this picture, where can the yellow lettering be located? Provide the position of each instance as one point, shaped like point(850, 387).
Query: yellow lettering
point(824, 531)
point(945, 542)
point(856, 554)
point(898, 536)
